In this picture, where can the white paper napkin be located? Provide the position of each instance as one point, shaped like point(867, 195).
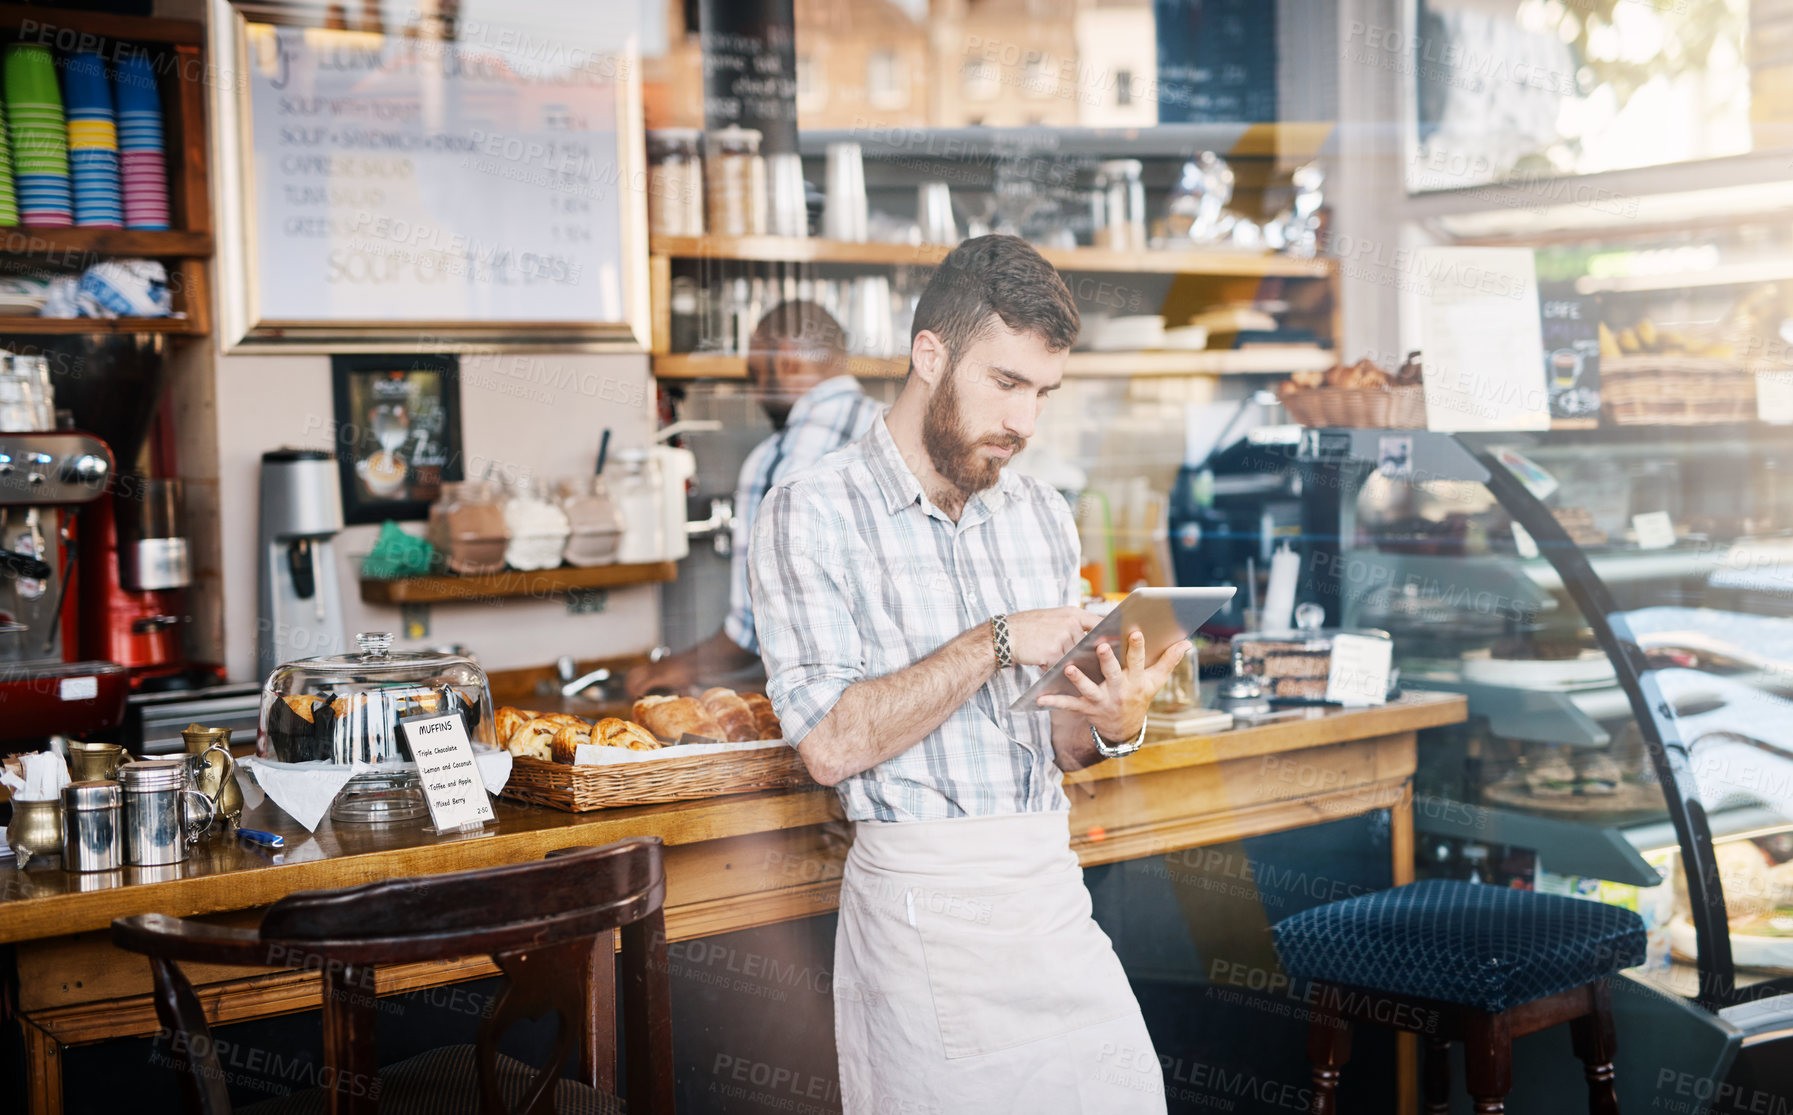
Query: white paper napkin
point(598, 755)
point(494, 768)
point(305, 790)
point(45, 776)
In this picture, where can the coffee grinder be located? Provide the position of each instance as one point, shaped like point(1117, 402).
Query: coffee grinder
point(45, 477)
point(134, 567)
point(300, 614)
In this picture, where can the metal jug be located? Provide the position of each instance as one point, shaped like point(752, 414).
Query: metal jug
point(213, 772)
point(94, 762)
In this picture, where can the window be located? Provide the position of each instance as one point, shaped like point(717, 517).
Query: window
point(812, 89)
point(887, 80)
point(1040, 78)
point(982, 83)
point(1123, 87)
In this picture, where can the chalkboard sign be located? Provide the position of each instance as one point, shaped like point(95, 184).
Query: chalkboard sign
point(1216, 61)
point(395, 185)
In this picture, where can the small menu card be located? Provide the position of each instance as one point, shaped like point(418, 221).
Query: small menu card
point(1655, 530)
point(1360, 666)
point(451, 783)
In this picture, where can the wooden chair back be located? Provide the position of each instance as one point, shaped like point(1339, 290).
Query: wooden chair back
point(550, 926)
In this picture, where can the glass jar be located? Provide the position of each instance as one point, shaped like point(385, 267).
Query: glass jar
point(675, 191)
point(735, 183)
point(1123, 226)
point(466, 526)
point(638, 494)
point(536, 525)
point(1293, 665)
point(348, 708)
point(593, 526)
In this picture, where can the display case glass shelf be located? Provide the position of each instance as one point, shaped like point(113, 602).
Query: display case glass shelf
point(1655, 579)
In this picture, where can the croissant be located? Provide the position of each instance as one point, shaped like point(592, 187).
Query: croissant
point(615, 732)
point(732, 713)
point(764, 718)
point(533, 740)
point(567, 740)
point(508, 720)
point(673, 717)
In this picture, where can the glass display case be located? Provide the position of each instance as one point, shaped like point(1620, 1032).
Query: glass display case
point(1617, 605)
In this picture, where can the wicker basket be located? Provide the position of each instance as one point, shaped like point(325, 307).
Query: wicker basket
point(1401, 408)
point(1665, 390)
point(581, 789)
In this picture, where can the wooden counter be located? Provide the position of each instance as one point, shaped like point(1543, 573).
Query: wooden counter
point(732, 863)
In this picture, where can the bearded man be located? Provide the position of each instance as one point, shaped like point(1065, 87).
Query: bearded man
point(907, 588)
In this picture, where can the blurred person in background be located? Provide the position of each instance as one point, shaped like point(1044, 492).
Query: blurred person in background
point(797, 362)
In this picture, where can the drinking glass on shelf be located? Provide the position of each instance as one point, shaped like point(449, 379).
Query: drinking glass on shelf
point(845, 216)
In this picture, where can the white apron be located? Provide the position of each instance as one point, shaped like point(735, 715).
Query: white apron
point(969, 977)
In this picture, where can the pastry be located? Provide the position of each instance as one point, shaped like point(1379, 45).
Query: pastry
point(509, 719)
point(566, 741)
point(1599, 776)
point(732, 713)
point(671, 718)
point(534, 740)
point(615, 732)
point(1306, 689)
point(1550, 777)
point(764, 718)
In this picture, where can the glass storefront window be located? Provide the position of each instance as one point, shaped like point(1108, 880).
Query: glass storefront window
point(1546, 88)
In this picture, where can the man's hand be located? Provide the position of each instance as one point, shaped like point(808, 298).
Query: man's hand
point(1041, 637)
point(671, 674)
point(1117, 707)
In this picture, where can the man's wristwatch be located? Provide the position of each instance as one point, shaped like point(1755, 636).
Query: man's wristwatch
point(1116, 750)
point(999, 636)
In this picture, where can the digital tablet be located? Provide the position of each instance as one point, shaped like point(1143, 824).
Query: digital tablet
point(1165, 615)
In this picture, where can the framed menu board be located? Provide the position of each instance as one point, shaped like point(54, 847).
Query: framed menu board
point(414, 189)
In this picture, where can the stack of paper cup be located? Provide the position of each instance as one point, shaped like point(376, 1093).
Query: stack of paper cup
point(144, 166)
point(789, 215)
point(39, 136)
point(844, 216)
point(9, 200)
point(92, 142)
point(934, 213)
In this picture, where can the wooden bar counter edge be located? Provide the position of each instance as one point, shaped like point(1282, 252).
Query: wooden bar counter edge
point(732, 863)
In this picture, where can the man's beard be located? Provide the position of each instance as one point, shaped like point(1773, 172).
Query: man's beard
point(953, 451)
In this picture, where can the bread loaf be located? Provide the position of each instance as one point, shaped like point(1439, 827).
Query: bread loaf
point(732, 713)
point(765, 720)
point(615, 732)
point(673, 717)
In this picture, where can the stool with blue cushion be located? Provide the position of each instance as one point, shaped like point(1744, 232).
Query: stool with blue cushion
point(1464, 962)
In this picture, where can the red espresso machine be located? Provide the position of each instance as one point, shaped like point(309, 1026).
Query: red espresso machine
point(46, 478)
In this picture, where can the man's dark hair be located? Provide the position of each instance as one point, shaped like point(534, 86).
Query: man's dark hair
point(1000, 276)
point(803, 325)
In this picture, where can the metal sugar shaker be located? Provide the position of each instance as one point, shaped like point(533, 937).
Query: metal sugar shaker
point(91, 838)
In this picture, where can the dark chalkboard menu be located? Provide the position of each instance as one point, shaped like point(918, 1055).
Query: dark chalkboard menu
point(1216, 61)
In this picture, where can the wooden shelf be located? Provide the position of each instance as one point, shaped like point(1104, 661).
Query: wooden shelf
point(1206, 362)
point(135, 29)
point(697, 365)
point(777, 249)
point(1203, 362)
point(138, 243)
point(546, 584)
point(65, 326)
